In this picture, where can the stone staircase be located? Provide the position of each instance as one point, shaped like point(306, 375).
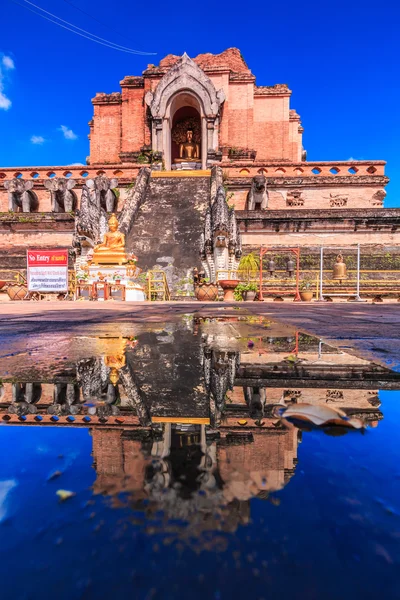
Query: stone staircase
point(167, 229)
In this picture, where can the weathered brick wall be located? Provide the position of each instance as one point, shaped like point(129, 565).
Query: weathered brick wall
point(315, 197)
point(29, 230)
point(373, 257)
point(316, 228)
point(239, 113)
point(133, 119)
point(105, 140)
point(271, 130)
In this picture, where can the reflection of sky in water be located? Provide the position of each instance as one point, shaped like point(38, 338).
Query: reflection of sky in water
point(333, 531)
point(270, 512)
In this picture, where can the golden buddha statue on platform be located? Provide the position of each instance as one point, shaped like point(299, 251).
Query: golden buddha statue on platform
point(112, 250)
point(188, 151)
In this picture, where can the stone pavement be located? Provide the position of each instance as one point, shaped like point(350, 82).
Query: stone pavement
point(372, 331)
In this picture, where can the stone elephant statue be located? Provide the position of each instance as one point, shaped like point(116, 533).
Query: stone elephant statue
point(20, 197)
point(102, 187)
point(62, 198)
point(258, 193)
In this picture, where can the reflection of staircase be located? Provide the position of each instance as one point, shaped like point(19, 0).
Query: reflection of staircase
point(167, 229)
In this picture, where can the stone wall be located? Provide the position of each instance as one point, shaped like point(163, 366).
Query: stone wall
point(166, 233)
point(320, 227)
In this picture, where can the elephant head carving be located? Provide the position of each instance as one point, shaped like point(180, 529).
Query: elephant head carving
point(20, 196)
point(258, 195)
point(102, 187)
point(62, 198)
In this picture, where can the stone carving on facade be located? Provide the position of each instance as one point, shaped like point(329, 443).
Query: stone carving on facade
point(97, 200)
point(337, 200)
point(66, 400)
point(220, 245)
point(334, 396)
point(134, 200)
point(20, 196)
point(185, 77)
point(378, 198)
point(256, 398)
point(89, 221)
point(219, 367)
point(292, 395)
point(102, 188)
point(294, 198)
point(62, 198)
point(24, 398)
point(258, 195)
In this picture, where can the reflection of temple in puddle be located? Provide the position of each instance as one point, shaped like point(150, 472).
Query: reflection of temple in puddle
point(182, 420)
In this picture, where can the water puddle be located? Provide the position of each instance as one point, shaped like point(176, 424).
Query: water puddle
point(187, 458)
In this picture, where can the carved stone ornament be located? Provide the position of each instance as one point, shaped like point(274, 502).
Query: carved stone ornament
point(185, 75)
point(20, 196)
point(378, 198)
point(337, 200)
point(334, 395)
point(294, 198)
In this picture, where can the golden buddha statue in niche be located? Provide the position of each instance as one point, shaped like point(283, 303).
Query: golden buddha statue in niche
point(117, 359)
point(115, 363)
point(189, 151)
point(112, 250)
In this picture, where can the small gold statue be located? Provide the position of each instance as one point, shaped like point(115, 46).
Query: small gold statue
point(115, 363)
point(112, 250)
point(189, 151)
point(117, 359)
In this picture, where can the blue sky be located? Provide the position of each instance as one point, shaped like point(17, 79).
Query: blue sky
point(341, 60)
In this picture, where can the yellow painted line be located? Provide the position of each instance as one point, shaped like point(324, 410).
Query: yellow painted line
point(189, 420)
point(194, 173)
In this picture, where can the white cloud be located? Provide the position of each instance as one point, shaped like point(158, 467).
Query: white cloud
point(68, 133)
point(76, 165)
point(37, 139)
point(6, 64)
point(5, 488)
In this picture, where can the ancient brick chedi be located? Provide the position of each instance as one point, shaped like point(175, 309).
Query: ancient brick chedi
point(219, 91)
point(181, 118)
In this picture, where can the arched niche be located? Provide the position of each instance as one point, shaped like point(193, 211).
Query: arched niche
point(184, 107)
point(184, 85)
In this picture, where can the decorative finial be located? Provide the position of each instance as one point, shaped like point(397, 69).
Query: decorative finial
point(113, 220)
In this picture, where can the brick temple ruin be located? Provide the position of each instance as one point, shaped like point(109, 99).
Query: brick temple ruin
point(175, 123)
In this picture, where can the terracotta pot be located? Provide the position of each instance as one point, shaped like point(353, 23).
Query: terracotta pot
point(206, 292)
point(117, 281)
point(306, 296)
point(228, 285)
point(249, 296)
point(17, 292)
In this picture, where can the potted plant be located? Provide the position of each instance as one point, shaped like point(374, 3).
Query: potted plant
point(249, 266)
point(245, 291)
point(251, 291)
point(205, 291)
point(117, 278)
point(306, 293)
